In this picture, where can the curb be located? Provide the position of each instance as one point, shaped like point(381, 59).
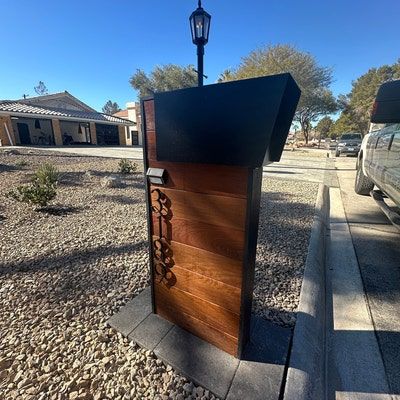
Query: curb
point(305, 378)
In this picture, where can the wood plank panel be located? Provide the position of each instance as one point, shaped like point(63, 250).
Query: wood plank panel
point(222, 319)
point(201, 178)
point(149, 114)
point(151, 144)
point(205, 231)
point(223, 269)
point(227, 242)
point(199, 328)
point(220, 210)
point(207, 289)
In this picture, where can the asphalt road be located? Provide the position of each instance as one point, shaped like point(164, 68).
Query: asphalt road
point(377, 246)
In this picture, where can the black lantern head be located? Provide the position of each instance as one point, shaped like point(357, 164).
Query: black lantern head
point(200, 25)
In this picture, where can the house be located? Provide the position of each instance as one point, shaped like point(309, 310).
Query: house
point(132, 113)
point(59, 119)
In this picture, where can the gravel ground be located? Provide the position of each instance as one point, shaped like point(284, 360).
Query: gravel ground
point(287, 210)
point(63, 274)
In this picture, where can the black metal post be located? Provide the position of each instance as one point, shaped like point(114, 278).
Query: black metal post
point(200, 64)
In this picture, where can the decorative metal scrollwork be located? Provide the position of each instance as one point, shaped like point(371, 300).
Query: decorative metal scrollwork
point(161, 251)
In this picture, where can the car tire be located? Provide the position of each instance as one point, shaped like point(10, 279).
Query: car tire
point(363, 185)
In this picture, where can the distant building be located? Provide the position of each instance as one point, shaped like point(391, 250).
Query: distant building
point(59, 119)
point(132, 113)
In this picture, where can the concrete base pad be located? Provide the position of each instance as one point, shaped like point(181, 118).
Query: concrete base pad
point(258, 376)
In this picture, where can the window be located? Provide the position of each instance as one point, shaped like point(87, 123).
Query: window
point(128, 134)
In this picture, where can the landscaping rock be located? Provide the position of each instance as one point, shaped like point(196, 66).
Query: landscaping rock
point(112, 182)
point(63, 275)
point(9, 152)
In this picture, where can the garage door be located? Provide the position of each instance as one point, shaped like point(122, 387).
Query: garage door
point(107, 135)
point(135, 138)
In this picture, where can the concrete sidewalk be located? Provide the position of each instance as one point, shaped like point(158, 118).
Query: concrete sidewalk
point(355, 368)
point(130, 152)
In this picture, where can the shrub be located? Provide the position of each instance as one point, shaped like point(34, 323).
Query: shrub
point(41, 190)
point(126, 167)
point(34, 193)
point(47, 174)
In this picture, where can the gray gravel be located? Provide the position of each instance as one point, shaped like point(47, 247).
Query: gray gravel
point(287, 210)
point(62, 275)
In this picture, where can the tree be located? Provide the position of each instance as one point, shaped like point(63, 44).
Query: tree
point(163, 78)
point(314, 81)
point(41, 89)
point(323, 127)
point(357, 105)
point(110, 108)
point(342, 125)
point(225, 76)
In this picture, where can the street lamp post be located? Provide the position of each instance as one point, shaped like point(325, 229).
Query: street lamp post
point(200, 28)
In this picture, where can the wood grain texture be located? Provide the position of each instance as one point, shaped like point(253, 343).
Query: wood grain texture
point(200, 178)
point(224, 241)
point(149, 114)
point(151, 145)
point(223, 269)
point(207, 289)
point(199, 328)
point(219, 317)
point(218, 210)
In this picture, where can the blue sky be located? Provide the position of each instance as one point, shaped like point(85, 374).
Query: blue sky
point(91, 48)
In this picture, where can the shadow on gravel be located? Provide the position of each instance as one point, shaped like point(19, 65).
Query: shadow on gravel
point(2, 217)
point(116, 198)
point(61, 211)
point(10, 168)
point(71, 179)
point(67, 260)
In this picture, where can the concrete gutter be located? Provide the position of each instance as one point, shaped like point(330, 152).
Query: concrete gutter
point(306, 371)
point(355, 366)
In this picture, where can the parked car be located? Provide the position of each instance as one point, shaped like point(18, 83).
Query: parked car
point(349, 143)
point(332, 144)
point(378, 162)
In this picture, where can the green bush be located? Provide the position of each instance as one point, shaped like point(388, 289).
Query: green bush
point(39, 195)
point(47, 174)
point(41, 190)
point(126, 167)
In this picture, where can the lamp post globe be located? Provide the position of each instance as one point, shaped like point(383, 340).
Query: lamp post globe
point(200, 29)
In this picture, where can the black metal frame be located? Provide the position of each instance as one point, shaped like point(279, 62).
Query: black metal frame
point(235, 123)
point(148, 198)
point(254, 179)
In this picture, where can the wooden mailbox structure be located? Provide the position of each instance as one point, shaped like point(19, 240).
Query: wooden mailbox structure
point(203, 151)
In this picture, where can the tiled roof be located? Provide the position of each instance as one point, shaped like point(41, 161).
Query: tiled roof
point(121, 114)
point(19, 107)
point(61, 96)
